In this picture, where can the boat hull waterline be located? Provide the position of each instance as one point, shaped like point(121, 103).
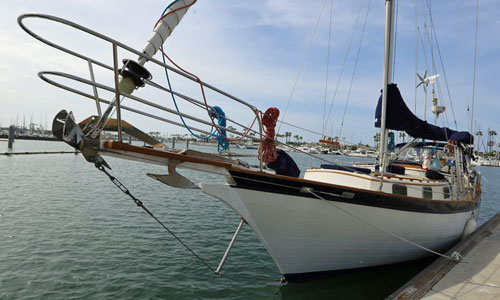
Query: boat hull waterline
point(306, 236)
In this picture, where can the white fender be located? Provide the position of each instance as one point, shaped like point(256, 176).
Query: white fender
point(470, 227)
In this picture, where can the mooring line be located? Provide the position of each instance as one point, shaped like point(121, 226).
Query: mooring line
point(455, 256)
point(139, 203)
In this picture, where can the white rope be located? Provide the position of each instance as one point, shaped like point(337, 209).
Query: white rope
point(455, 256)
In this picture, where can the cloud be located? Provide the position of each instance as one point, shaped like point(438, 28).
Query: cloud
point(253, 50)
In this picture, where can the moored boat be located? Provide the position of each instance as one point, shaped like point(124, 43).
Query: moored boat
point(333, 218)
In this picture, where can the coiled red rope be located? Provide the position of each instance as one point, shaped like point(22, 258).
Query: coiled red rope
point(269, 119)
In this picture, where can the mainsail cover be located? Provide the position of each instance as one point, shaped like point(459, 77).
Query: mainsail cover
point(399, 117)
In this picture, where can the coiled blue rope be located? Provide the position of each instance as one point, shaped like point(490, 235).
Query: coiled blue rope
point(217, 113)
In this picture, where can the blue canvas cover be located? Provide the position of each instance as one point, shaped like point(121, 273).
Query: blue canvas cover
point(284, 165)
point(399, 117)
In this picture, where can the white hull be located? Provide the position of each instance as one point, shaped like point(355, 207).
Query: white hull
point(305, 235)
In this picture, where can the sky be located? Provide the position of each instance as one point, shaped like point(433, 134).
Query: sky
point(254, 51)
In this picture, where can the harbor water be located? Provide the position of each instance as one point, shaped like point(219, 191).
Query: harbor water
point(66, 232)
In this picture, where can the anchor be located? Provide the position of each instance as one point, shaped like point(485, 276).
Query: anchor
point(173, 178)
point(65, 128)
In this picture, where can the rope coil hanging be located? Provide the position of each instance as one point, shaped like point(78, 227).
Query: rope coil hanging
point(268, 148)
point(217, 113)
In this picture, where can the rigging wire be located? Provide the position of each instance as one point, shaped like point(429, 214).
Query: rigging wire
point(344, 63)
point(207, 107)
point(213, 132)
point(442, 65)
point(192, 101)
point(395, 41)
point(461, 29)
point(327, 65)
point(444, 120)
point(306, 55)
point(355, 65)
point(416, 56)
point(212, 115)
point(429, 36)
point(475, 67)
point(423, 42)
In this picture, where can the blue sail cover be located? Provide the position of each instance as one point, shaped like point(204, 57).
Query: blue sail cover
point(399, 117)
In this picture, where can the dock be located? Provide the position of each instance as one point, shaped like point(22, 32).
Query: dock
point(39, 153)
point(30, 137)
point(475, 277)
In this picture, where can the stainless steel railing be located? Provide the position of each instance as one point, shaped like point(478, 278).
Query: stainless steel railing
point(116, 104)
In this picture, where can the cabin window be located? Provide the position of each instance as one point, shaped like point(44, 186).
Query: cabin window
point(427, 192)
point(399, 189)
point(446, 192)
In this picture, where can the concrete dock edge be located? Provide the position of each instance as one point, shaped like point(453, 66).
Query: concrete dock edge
point(424, 281)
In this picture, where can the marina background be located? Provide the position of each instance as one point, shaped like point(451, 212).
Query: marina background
point(66, 232)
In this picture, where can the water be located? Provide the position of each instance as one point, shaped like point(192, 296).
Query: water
point(66, 232)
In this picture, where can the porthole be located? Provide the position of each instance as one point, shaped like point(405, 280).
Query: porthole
point(427, 192)
point(446, 192)
point(399, 189)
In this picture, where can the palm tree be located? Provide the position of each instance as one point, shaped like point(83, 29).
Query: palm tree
point(296, 137)
point(376, 139)
point(491, 133)
point(479, 134)
point(402, 135)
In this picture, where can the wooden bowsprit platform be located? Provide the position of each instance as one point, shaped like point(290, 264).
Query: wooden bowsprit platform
point(475, 277)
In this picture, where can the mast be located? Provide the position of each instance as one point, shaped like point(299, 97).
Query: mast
point(390, 6)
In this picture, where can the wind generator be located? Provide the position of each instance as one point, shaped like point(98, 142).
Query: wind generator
point(425, 81)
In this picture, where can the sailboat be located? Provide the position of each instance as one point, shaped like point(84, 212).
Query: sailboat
point(334, 217)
